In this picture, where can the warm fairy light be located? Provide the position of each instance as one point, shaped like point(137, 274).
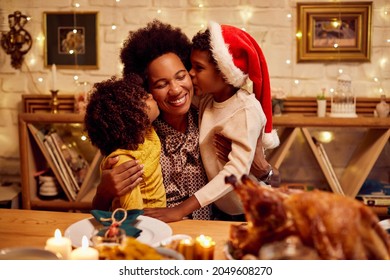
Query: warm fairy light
point(202, 26)
point(28, 18)
point(159, 11)
point(340, 71)
point(75, 31)
point(325, 136)
point(75, 78)
point(83, 137)
point(288, 61)
point(376, 79)
point(289, 16)
point(382, 62)
point(331, 90)
point(243, 28)
point(117, 1)
point(335, 45)
point(40, 79)
point(246, 13)
point(113, 27)
point(335, 23)
point(298, 34)
point(32, 61)
point(76, 5)
point(388, 41)
point(296, 82)
point(200, 5)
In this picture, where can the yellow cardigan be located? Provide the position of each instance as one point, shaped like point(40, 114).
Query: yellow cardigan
point(150, 192)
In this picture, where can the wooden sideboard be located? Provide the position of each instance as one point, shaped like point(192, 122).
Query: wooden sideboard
point(377, 134)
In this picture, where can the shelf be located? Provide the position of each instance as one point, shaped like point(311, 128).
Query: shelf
point(369, 147)
point(35, 158)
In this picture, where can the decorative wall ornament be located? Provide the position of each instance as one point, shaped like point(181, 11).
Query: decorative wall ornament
point(17, 42)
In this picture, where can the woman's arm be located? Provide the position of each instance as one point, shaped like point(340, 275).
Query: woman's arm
point(116, 181)
point(260, 168)
point(176, 213)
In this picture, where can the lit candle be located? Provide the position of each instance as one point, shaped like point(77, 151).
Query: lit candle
point(53, 77)
point(61, 246)
point(204, 248)
point(84, 252)
point(186, 248)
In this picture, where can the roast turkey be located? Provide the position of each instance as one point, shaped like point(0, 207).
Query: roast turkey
point(335, 226)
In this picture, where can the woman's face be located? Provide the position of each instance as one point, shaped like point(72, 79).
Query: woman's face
point(171, 86)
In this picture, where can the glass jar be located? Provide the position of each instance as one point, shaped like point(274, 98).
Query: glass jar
point(82, 96)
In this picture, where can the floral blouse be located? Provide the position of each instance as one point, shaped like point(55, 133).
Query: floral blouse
point(181, 164)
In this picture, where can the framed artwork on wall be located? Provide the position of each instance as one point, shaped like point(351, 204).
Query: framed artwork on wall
point(334, 31)
point(71, 39)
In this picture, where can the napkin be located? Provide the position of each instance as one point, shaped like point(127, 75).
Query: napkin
point(127, 225)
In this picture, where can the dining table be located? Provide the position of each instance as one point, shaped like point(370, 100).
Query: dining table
point(32, 228)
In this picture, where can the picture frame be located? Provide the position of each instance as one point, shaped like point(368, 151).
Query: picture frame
point(334, 31)
point(71, 39)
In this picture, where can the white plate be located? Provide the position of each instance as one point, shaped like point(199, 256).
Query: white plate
point(26, 253)
point(153, 230)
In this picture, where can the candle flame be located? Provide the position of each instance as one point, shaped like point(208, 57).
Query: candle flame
point(187, 241)
point(57, 234)
point(84, 242)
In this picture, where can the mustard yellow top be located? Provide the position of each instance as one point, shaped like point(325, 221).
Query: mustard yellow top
point(150, 193)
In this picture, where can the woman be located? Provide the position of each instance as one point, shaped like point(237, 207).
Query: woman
point(160, 53)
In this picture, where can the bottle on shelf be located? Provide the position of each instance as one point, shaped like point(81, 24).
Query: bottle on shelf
point(382, 108)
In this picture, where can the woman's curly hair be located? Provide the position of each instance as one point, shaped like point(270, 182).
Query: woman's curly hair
point(116, 115)
point(146, 44)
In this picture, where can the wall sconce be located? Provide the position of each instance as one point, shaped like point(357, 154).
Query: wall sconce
point(16, 42)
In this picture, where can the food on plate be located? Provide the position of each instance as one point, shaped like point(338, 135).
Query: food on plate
point(335, 226)
point(130, 249)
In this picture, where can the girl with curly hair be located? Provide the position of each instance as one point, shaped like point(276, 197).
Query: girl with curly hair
point(118, 121)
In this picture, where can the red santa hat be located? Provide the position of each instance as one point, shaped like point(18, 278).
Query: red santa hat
point(238, 57)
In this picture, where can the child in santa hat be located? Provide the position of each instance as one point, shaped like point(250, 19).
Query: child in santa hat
point(224, 59)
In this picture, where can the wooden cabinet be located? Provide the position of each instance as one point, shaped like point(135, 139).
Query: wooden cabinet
point(34, 158)
point(368, 149)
